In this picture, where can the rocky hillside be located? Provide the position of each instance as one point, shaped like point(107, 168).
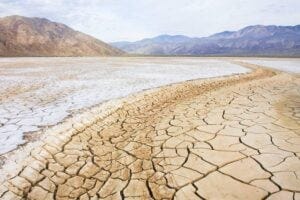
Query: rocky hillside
point(24, 36)
point(250, 41)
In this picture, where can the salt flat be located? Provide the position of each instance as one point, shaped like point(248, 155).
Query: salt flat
point(283, 64)
point(38, 92)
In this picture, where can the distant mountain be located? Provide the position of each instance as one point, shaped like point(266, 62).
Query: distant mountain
point(24, 36)
point(250, 41)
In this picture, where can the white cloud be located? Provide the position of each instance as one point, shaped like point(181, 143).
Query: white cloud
point(113, 20)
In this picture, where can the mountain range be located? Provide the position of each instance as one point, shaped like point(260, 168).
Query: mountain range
point(255, 40)
point(24, 36)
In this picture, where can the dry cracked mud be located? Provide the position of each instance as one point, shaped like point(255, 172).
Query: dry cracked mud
point(234, 137)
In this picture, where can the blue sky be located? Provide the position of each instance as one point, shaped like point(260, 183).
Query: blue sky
point(115, 20)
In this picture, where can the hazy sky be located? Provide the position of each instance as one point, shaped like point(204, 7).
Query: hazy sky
point(114, 20)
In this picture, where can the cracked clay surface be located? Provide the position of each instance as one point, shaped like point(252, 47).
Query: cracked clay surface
point(234, 137)
point(39, 92)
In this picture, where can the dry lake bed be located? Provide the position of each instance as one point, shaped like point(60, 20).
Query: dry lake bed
point(150, 128)
point(38, 92)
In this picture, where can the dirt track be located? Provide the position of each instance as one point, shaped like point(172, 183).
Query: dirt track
point(234, 137)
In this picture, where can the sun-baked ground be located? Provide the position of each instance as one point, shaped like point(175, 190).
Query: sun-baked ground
point(234, 137)
point(38, 92)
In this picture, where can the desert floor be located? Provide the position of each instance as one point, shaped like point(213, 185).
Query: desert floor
point(41, 92)
point(229, 137)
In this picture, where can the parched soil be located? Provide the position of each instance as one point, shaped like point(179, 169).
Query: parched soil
point(234, 137)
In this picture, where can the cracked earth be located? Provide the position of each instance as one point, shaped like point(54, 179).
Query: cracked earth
point(235, 137)
point(40, 92)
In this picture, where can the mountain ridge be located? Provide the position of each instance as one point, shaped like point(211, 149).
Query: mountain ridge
point(256, 40)
point(33, 36)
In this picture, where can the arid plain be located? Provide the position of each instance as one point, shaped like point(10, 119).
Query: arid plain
point(150, 128)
